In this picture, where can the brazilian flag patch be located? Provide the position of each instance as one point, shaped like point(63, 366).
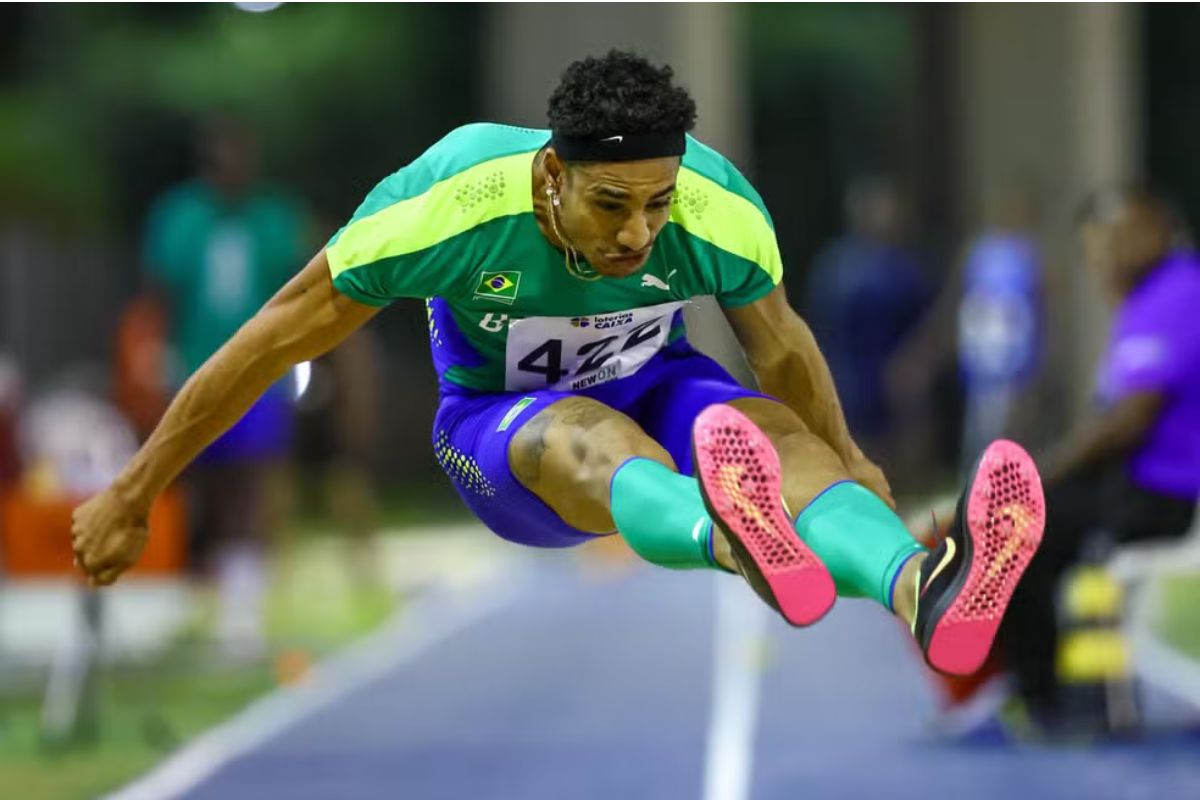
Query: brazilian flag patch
point(499, 286)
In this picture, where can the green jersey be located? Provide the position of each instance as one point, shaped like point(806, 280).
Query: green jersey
point(456, 227)
point(219, 260)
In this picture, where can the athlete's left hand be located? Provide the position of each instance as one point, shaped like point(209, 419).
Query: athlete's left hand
point(864, 471)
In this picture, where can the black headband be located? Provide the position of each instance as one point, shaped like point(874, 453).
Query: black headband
point(619, 147)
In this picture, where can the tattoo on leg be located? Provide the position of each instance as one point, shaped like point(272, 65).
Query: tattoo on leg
point(581, 418)
point(583, 415)
point(528, 447)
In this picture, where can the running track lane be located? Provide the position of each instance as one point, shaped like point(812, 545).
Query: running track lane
point(598, 688)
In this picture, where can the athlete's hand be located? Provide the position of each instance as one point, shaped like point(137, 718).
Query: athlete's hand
point(108, 535)
point(864, 471)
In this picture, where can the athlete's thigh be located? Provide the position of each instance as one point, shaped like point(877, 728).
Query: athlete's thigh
point(472, 439)
point(772, 416)
point(686, 387)
point(567, 454)
point(471, 435)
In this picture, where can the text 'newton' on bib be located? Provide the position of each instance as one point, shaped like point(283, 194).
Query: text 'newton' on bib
point(575, 353)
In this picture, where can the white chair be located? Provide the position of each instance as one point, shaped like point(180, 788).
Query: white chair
point(1140, 569)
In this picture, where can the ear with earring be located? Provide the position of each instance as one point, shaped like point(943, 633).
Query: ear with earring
point(570, 255)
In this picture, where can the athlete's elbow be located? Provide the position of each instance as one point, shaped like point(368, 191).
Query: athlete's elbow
point(776, 366)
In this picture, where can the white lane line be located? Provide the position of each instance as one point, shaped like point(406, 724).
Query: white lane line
point(418, 628)
point(739, 624)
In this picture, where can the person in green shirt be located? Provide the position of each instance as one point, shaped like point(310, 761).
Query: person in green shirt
point(554, 264)
point(216, 248)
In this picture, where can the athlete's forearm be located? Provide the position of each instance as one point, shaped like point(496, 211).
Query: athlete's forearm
point(306, 318)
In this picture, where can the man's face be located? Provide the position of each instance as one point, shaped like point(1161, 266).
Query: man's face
point(1100, 254)
point(612, 212)
point(1118, 250)
point(229, 156)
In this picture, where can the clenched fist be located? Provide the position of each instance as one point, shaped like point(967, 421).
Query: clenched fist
point(108, 535)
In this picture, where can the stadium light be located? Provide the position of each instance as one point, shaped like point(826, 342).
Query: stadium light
point(301, 376)
point(258, 8)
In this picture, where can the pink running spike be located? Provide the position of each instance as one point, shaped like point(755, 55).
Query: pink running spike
point(1006, 514)
point(740, 478)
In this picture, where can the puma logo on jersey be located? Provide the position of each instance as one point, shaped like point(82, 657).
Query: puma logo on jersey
point(655, 282)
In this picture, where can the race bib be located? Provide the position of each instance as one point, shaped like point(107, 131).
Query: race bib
point(573, 353)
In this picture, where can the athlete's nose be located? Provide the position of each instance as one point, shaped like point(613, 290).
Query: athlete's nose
point(635, 233)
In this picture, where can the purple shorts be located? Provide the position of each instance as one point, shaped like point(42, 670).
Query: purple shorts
point(471, 433)
point(264, 433)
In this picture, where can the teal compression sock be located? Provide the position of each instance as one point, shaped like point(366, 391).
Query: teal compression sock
point(660, 514)
point(861, 541)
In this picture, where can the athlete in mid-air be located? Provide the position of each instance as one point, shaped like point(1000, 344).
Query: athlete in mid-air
point(554, 264)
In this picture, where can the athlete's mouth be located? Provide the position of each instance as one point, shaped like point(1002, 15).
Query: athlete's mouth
point(628, 260)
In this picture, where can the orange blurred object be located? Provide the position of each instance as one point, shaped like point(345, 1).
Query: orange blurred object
point(35, 536)
point(140, 364)
point(293, 667)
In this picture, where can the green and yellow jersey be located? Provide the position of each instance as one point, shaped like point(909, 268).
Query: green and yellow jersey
point(456, 227)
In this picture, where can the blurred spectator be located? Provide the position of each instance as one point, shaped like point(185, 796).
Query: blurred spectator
point(987, 319)
point(864, 295)
point(141, 371)
point(337, 419)
point(1132, 471)
point(72, 441)
point(10, 396)
point(999, 320)
point(217, 248)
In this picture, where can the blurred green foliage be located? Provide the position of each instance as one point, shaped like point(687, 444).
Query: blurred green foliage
point(101, 116)
point(833, 80)
point(1181, 599)
point(145, 714)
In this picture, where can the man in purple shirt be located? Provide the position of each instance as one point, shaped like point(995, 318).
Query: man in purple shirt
point(1131, 471)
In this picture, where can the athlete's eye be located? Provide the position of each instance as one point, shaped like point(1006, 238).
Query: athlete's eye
point(612, 207)
point(660, 205)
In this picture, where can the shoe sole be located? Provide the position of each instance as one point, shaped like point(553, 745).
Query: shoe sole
point(740, 481)
point(1005, 519)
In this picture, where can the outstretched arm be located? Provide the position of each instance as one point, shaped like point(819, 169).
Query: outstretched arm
point(784, 356)
point(306, 318)
point(1107, 436)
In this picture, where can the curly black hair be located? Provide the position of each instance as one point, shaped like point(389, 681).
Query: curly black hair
point(619, 93)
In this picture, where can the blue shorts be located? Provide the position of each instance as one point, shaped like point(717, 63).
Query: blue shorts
point(471, 433)
point(264, 433)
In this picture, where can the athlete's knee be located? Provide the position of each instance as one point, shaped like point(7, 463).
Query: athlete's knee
point(581, 441)
point(771, 416)
point(798, 446)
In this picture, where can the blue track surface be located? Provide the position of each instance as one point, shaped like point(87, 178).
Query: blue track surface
point(598, 688)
